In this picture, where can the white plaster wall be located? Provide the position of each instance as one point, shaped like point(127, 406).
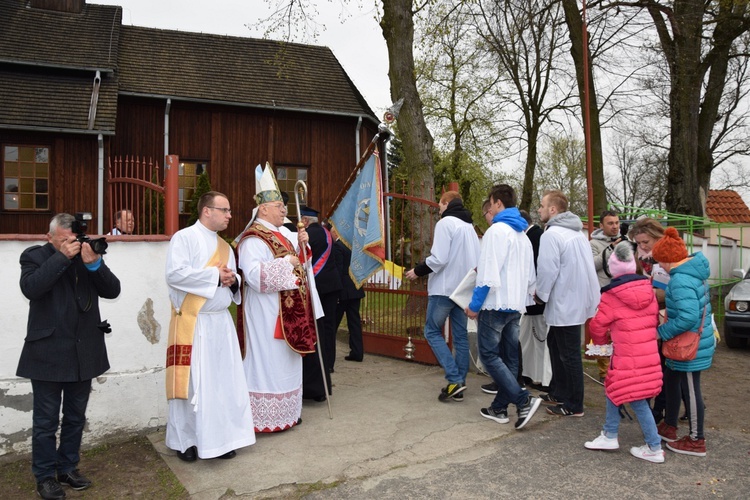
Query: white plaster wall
point(130, 397)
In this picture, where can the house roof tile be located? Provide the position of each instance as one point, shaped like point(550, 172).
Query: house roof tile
point(236, 70)
point(48, 58)
point(89, 40)
point(727, 206)
point(57, 101)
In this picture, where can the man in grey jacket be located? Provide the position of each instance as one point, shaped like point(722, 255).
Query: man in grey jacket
point(603, 242)
point(567, 283)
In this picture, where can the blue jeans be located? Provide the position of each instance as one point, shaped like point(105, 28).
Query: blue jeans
point(439, 307)
point(645, 419)
point(46, 458)
point(497, 332)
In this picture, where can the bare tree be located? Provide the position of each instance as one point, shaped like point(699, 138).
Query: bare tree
point(697, 40)
point(457, 80)
point(639, 176)
point(527, 38)
point(562, 165)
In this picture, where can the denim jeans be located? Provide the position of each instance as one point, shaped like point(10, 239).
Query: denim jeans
point(564, 344)
point(497, 332)
point(440, 307)
point(645, 419)
point(46, 458)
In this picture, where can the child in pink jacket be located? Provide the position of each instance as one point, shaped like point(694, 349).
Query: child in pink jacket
point(629, 312)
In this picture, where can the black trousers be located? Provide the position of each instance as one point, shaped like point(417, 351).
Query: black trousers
point(327, 328)
point(48, 459)
point(353, 324)
point(564, 344)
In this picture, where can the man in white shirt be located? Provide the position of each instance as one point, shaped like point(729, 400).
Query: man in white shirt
point(566, 281)
point(505, 285)
point(454, 252)
point(209, 411)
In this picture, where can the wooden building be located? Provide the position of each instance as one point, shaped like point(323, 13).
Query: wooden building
point(78, 88)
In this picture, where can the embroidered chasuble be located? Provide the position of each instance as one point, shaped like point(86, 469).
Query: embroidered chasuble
point(182, 328)
point(296, 323)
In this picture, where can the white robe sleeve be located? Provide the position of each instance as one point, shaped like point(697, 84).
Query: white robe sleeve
point(186, 276)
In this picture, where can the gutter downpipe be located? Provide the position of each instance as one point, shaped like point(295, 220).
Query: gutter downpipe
point(166, 127)
point(94, 99)
point(357, 145)
point(100, 187)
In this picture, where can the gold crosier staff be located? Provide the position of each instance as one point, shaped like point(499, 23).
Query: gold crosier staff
point(300, 186)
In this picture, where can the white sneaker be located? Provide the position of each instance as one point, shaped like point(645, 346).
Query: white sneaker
point(602, 442)
point(645, 453)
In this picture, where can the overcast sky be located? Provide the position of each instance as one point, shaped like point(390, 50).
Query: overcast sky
point(357, 41)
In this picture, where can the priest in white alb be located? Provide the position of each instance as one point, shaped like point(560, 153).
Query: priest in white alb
point(209, 413)
point(279, 320)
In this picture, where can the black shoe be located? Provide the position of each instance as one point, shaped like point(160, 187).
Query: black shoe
point(458, 397)
point(319, 399)
point(451, 390)
point(75, 480)
point(190, 455)
point(228, 455)
point(527, 411)
point(490, 388)
point(549, 399)
point(49, 489)
point(353, 358)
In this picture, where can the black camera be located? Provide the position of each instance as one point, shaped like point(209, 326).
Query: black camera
point(624, 228)
point(80, 225)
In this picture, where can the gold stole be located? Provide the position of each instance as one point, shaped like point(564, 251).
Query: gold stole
point(181, 330)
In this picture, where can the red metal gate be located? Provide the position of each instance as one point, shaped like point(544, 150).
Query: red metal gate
point(149, 192)
point(394, 308)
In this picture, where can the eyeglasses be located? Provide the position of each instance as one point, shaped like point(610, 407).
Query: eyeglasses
point(484, 214)
point(280, 206)
point(225, 210)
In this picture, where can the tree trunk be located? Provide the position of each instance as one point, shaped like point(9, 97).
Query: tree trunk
point(527, 191)
point(686, 78)
point(575, 30)
point(398, 30)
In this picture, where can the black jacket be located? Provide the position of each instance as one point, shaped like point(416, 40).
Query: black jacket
point(63, 340)
point(328, 279)
point(534, 233)
point(349, 291)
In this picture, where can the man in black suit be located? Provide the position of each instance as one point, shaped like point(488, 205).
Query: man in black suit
point(349, 301)
point(64, 348)
point(328, 284)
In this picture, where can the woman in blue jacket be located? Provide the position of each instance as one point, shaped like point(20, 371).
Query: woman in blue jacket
point(688, 305)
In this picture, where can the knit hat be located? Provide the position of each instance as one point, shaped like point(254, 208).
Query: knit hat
point(622, 260)
point(670, 248)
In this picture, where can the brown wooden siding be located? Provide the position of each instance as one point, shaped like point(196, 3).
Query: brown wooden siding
point(232, 140)
point(72, 183)
point(139, 128)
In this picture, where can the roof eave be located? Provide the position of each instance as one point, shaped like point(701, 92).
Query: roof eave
point(247, 105)
point(107, 70)
point(62, 130)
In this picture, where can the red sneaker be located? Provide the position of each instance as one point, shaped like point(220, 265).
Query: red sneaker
point(667, 432)
point(688, 446)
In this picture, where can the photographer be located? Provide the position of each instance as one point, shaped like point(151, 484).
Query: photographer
point(64, 347)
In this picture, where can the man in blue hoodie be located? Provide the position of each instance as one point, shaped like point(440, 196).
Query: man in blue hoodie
point(505, 286)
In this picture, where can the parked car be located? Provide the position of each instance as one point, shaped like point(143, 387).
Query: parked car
point(737, 311)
